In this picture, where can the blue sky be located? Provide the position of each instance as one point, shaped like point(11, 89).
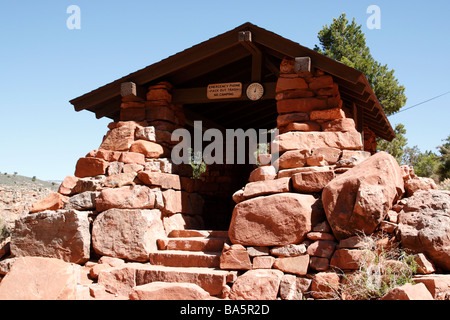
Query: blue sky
point(43, 64)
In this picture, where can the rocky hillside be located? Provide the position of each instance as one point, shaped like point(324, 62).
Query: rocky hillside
point(18, 193)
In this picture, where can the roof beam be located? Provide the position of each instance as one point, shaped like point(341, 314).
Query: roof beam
point(216, 62)
point(360, 97)
point(245, 38)
point(369, 106)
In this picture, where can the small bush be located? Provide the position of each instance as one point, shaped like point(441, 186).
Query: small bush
point(381, 269)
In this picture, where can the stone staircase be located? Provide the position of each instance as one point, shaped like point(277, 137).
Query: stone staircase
point(190, 248)
point(191, 256)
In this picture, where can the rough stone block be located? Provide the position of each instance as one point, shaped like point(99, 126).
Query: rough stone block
point(127, 234)
point(63, 235)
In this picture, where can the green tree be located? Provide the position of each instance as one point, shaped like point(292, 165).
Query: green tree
point(345, 42)
point(426, 164)
point(395, 147)
point(444, 167)
point(411, 156)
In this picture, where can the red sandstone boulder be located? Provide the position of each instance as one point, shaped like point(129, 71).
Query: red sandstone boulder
point(263, 262)
point(284, 84)
point(260, 188)
point(82, 201)
point(323, 156)
point(38, 278)
point(163, 180)
point(308, 140)
point(327, 114)
point(358, 200)
point(320, 82)
point(260, 284)
point(235, 257)
point(325, 285)
point(147, 148)
point(63, 234)
point(263, 174)
point(238, 196)
point(127, 234)
point(347, 259)
point(67, 186)
point(128, 197)
point(106, 155)
point(145, 133)
point(342, 125)
point(284, 120)
point(419, 183)
point(169, 291)
point(274, 220)
point(409, 292)
point(132, 157)
point(53, 201)
point(300, 126)
point(424, 225)
point(90, 167)
point(119, 280)
point(293, 265)
point(293, 287)
point(121, 137)
point(437, 284)
point(120, 180)
point(176, 201)
point(301, 105)
point(308, 182)
point(322, 249)
point(293, 159)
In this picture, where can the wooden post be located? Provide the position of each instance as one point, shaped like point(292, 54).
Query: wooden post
point(302, 64)
point(132, 92)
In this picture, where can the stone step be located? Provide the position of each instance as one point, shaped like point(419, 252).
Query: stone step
point(176, 258)
point(192, 244)
point(210, 279)
point(198, 233)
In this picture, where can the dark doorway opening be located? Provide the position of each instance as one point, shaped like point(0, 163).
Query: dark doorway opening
point(219, 181)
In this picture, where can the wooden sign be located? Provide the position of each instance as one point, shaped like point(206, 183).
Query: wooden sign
point(224, 90)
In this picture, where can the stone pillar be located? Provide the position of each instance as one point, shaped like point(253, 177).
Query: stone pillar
point(162, 114)
point(132, 110)
point(316, 133)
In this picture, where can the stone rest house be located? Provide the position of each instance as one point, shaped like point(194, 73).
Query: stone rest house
point(303, 91)
point(137, 218)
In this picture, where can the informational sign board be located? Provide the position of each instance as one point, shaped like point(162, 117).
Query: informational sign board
point(224, 90)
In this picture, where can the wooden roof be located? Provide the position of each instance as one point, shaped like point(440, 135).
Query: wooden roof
point(225, 58)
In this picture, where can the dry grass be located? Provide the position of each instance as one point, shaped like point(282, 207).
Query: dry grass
point(383, 266)
point(445, 185)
